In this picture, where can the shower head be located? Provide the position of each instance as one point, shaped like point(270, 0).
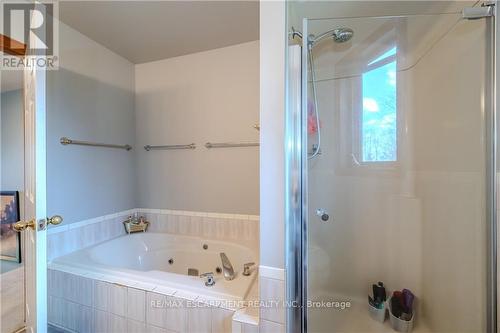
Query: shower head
point(339, 35)
point(342, 35)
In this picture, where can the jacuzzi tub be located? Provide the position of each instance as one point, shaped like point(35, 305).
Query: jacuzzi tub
point(144, 257)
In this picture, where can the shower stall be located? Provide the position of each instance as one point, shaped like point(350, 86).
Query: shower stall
point(391, 164)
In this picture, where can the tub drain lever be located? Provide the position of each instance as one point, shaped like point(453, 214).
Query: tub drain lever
point(210, 281)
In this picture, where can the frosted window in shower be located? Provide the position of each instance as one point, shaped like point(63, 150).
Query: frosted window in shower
point(379, 120)
point(388, 54)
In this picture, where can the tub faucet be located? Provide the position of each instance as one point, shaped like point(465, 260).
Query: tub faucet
point(227, 267)
point(210, 281)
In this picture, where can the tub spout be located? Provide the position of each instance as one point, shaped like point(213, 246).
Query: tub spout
point(227, 267)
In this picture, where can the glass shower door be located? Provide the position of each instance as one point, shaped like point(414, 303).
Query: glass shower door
point(396, 172)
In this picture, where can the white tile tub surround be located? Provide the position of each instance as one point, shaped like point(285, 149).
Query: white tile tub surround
point(272, 293)
point(247, 319)
point(98, 303)
point(67, 238)
point(243, 229)
point(82, 301)
point(244, 323)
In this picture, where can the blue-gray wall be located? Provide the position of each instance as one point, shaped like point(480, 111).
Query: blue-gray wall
point(90, 97)
point(12, 141)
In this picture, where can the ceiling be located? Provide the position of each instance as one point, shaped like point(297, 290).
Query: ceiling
point(143, 31)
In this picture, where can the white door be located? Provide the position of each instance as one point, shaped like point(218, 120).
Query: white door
point(35, 201)
point(35, 237)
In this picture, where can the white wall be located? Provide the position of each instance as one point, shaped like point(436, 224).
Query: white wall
point(272, 115)
point(90, 97)
point(272, 164)
point(12, 141)
point(207, 96)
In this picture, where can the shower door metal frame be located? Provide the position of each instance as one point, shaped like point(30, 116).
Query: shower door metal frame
point(295, 292)
point(296, 200)
point(491, 119)
point(296, 185)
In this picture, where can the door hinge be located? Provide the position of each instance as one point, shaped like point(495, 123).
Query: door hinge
point(474, 13)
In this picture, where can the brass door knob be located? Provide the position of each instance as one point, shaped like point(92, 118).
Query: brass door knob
point(23, 225)
point(55, 220)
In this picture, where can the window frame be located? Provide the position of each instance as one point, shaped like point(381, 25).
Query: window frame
point(357, 132)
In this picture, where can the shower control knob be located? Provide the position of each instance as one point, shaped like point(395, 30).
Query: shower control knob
point(323, 214)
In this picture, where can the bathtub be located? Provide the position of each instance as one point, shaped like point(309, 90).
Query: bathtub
point(163, 259)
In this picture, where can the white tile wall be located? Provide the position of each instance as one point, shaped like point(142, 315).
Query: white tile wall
point(247, 328)
point(177, 315)
point(84, 291)
point(136, 300)
point(117, 324)
point(154, 329)
point(101, 319)
point(271, 327)
point(116, 308)
point(68, 238)
point(200, 319)
point(230, 227)
point(222, 320)
point(239, 327)
point(272, 291)
point(117, 301)
point(55, 310)
point(70, 314)
point(85, 319)
point(135, 326)
point(101, 295)
point(156, 314)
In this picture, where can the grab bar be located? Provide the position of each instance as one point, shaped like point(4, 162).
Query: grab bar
point(231, 144)
point(66, 141)
point(170, 147)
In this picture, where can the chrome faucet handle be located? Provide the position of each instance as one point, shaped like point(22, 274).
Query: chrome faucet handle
point(246, 268)
point(210, 278)
point(227, 268)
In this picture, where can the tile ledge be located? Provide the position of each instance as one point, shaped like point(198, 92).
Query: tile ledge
point(198, 214)
point(241, 316)
point(272, 272)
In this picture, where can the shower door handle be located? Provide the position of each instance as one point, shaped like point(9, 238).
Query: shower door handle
point(323, 214)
